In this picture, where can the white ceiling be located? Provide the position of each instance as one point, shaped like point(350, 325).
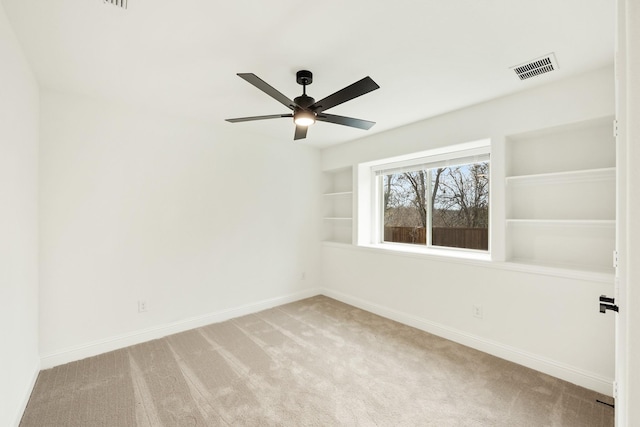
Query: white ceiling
point(428, 56)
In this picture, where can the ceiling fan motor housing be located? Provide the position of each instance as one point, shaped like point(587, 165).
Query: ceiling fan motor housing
point(304, 101)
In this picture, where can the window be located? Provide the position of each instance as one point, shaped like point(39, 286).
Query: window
point(433, 201)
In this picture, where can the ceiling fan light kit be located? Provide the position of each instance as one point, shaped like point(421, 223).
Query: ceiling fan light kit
point(306, 111)
point(304, 118)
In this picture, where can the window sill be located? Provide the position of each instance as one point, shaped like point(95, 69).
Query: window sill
point(453, 253)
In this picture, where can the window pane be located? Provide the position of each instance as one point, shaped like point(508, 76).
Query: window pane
point(404, 198)
point(460, 206)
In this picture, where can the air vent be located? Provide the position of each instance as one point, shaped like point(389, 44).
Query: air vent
point(536, 67)
point(119, 3)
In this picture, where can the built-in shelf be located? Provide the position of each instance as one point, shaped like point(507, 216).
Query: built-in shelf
point(338, 206)
point(563, 222)
point(558, 269)
point(585, 175)
point(560, 198)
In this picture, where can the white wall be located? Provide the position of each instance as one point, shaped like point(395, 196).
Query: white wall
point(18, 227)
point(199, 219)
point(547, 322)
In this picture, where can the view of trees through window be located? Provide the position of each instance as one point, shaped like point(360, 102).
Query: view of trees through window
point(452, 202)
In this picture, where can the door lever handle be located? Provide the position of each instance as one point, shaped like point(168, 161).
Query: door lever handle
point(607, 303)
point(605, 307)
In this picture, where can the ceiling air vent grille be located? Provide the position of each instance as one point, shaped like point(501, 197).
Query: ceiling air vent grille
point(536, 67)
point(119, 3)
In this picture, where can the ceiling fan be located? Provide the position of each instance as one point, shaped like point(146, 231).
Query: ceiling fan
point(307, 110)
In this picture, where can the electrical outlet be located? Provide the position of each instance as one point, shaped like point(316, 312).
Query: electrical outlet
point(477, 311)
point(303, 275)
point(142, 306)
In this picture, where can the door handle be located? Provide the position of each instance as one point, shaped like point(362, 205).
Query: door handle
point(607, 303)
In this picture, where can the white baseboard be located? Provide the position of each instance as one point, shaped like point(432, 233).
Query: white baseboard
point(556, 369)
point(551, 367)
point(26, 395)
point(114, 343)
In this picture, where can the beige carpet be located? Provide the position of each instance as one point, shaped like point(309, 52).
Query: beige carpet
point(316, 362)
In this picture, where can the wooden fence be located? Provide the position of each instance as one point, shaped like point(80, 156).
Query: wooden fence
point(470, 238)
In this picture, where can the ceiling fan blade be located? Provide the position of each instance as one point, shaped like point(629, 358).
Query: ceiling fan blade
point(268, 89)
point(249, 119)
point(354, 90)
point(301, 132)
point(347, 121)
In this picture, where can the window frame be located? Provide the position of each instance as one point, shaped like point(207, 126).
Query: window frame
point(372, 175)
